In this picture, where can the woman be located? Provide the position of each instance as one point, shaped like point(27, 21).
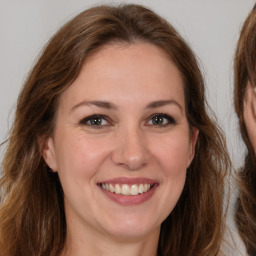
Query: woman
point(245, 106)
point(112, 149)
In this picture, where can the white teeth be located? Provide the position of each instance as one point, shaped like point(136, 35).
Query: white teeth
point(118, 189)
point(134, 190)
point(141, 188)
point(125, 189)
point(111, 188)
point(146, 187)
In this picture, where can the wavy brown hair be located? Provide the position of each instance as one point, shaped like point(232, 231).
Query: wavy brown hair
point(244, 72)
point(32, 212)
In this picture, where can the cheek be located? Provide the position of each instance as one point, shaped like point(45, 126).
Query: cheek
point(173, 155)
point(81, 156)
point(174, 164)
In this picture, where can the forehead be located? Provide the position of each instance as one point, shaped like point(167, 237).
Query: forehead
point(125, 70)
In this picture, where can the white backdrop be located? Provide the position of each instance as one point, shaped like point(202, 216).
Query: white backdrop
point(210, 26)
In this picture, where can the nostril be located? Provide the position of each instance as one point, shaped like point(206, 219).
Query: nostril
point(130, 161)
point(131, 165)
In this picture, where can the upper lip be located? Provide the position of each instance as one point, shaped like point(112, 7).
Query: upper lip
point(126, 180)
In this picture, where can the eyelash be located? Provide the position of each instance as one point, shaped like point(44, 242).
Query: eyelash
point(158, 117)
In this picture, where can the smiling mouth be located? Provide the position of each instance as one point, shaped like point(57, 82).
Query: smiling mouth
point(127, 189)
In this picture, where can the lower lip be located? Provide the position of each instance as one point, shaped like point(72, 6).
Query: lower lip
point(130, 200)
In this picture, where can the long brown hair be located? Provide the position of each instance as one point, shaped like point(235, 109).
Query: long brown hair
point(32, 215)
point(244, 72)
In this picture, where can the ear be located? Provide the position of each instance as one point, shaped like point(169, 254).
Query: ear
point(48, 152)
point(193, 140)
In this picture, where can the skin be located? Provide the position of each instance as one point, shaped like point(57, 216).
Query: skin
point(250, 113)
point(128, 143)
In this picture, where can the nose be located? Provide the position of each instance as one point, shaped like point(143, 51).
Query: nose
point(131, 151)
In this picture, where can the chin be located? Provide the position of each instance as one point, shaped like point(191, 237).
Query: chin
point(133, 228)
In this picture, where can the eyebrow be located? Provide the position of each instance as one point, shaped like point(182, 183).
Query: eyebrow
point(111, 106)
point(100, 104)
point(161, 103)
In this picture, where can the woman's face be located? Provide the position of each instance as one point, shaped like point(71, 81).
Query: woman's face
point(122, 142)
point(250, 113)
